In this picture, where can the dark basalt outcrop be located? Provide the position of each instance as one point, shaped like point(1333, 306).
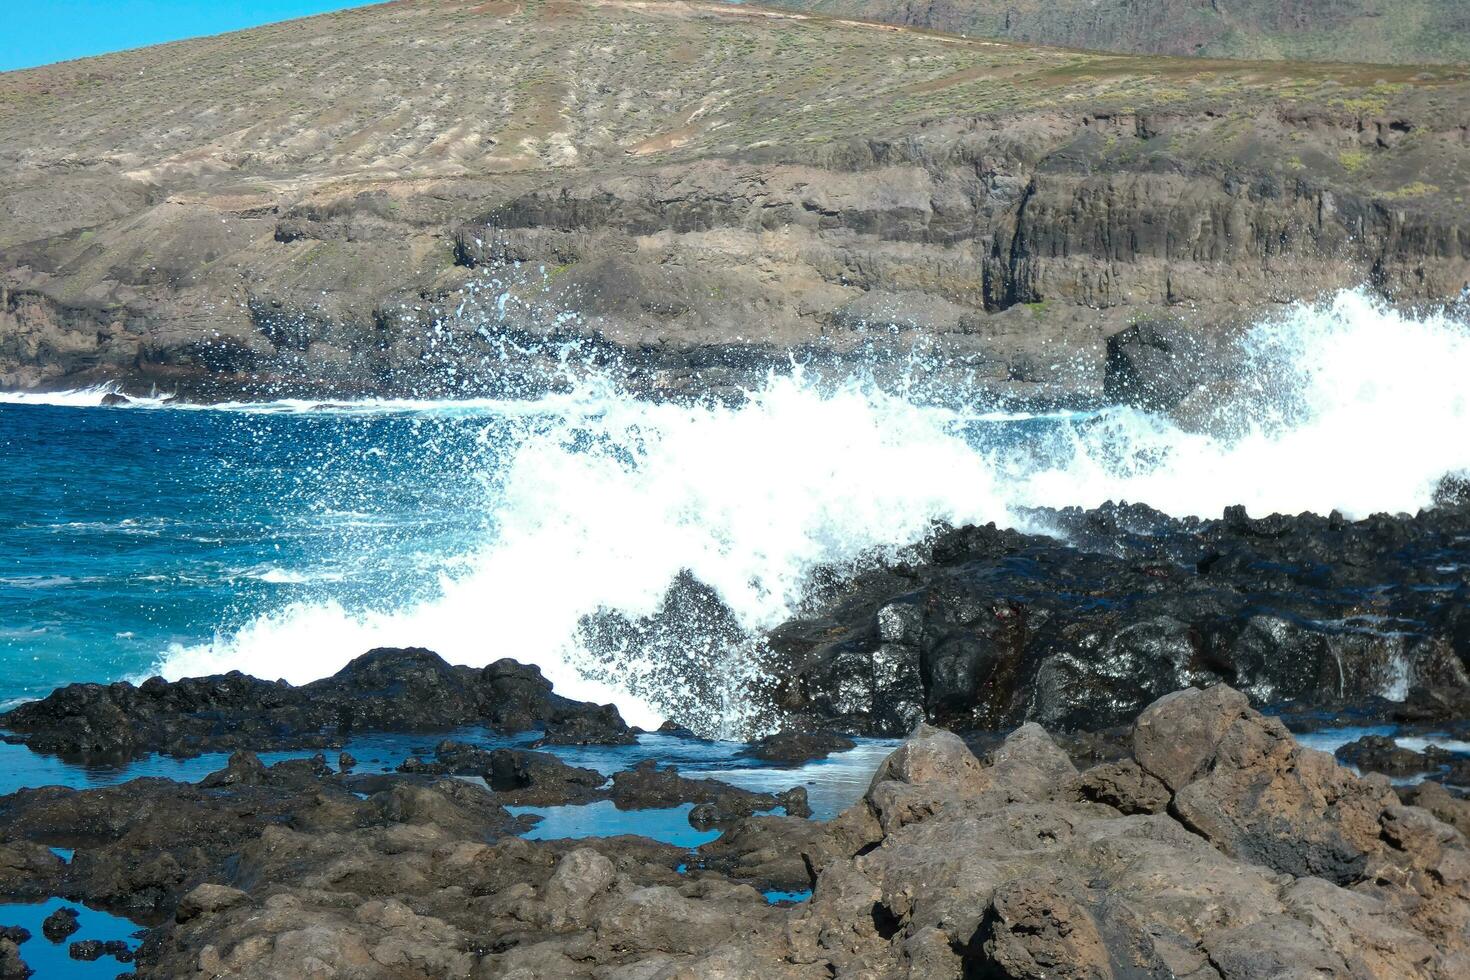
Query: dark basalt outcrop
point(385, 690)
point(60, 924)
point(716, 803)
point(1217, 848)
point(996, 627)
point(1378, 753)
point(797, 748)
point(12, 966)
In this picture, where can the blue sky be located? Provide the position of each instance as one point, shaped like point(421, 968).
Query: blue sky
point(38, 32)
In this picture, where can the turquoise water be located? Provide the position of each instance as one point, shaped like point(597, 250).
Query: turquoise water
point(52, 960)
point(283, 540)
point(604, 819)
point(123, 532)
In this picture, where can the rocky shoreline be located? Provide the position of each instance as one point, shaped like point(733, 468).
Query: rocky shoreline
point(1154, 824)
point(1211, 845)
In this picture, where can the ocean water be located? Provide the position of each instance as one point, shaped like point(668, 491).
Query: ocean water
point(284, 539)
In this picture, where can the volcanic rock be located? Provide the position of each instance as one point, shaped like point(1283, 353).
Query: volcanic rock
point(383, 690)
point(60, 924)
point(996, 627)
point(1376, 753)
point(717, 803)
point(1217, 847)
point(12, 967)
point(791, 749)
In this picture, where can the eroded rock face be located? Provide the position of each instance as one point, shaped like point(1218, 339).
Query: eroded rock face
point(995, 628)
point(1022, 221)
point(994, 881)
point(383, 690)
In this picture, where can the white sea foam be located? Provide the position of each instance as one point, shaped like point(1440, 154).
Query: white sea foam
point(288, 576)
point(1347, 405)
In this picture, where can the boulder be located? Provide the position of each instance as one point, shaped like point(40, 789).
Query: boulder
point(793, 749)
point(12, 966)
point(1156, 364)
point(208, 898)
point(1377, 753)
point(60, 924)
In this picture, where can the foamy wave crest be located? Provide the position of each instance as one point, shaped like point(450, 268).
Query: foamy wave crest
point(607, 507)
point(1347, 405)
point(70, 398)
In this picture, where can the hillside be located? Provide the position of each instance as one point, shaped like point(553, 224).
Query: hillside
point(294, 207)
point(1373, 31)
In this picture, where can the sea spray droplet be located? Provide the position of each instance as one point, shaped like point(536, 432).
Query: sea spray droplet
point(598, 502)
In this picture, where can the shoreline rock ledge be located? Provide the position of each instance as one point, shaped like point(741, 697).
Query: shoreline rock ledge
point(384, 690)
point(1216, 848)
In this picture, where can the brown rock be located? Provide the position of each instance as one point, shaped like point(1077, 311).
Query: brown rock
point(207, 899)
point(1125, 786)
point(1176, 737)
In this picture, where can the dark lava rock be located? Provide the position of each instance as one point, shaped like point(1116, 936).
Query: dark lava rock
point(647, 786)
point(791, 749)
point(1458, 773)
point(112, 399)
point(1156, 364)
point(517, 776)
point(997, 627)
point(591, 727)
point(540, 779)
point(16, 934)
point(150, 838)
point(1446, 703)
point(1376, 753)
point(60, 924)
point(87, 949)
point(12, 967)
point(345, 762)
point(948, 866)
point(383, 690)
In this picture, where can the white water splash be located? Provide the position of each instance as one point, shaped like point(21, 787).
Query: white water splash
point(609, 506)
point(1347, 405)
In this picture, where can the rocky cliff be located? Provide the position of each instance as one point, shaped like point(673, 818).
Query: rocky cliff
point(393, 198)
point(1406, 32)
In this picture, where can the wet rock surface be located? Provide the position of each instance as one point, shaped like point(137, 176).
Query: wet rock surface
point(988, 628)
point(388, 690)
point(1167, 828)
point(795, 748)
point(1216, 847)
point(1378, 753)
point(12, 966)
point(60, 924)
point(716, 803)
